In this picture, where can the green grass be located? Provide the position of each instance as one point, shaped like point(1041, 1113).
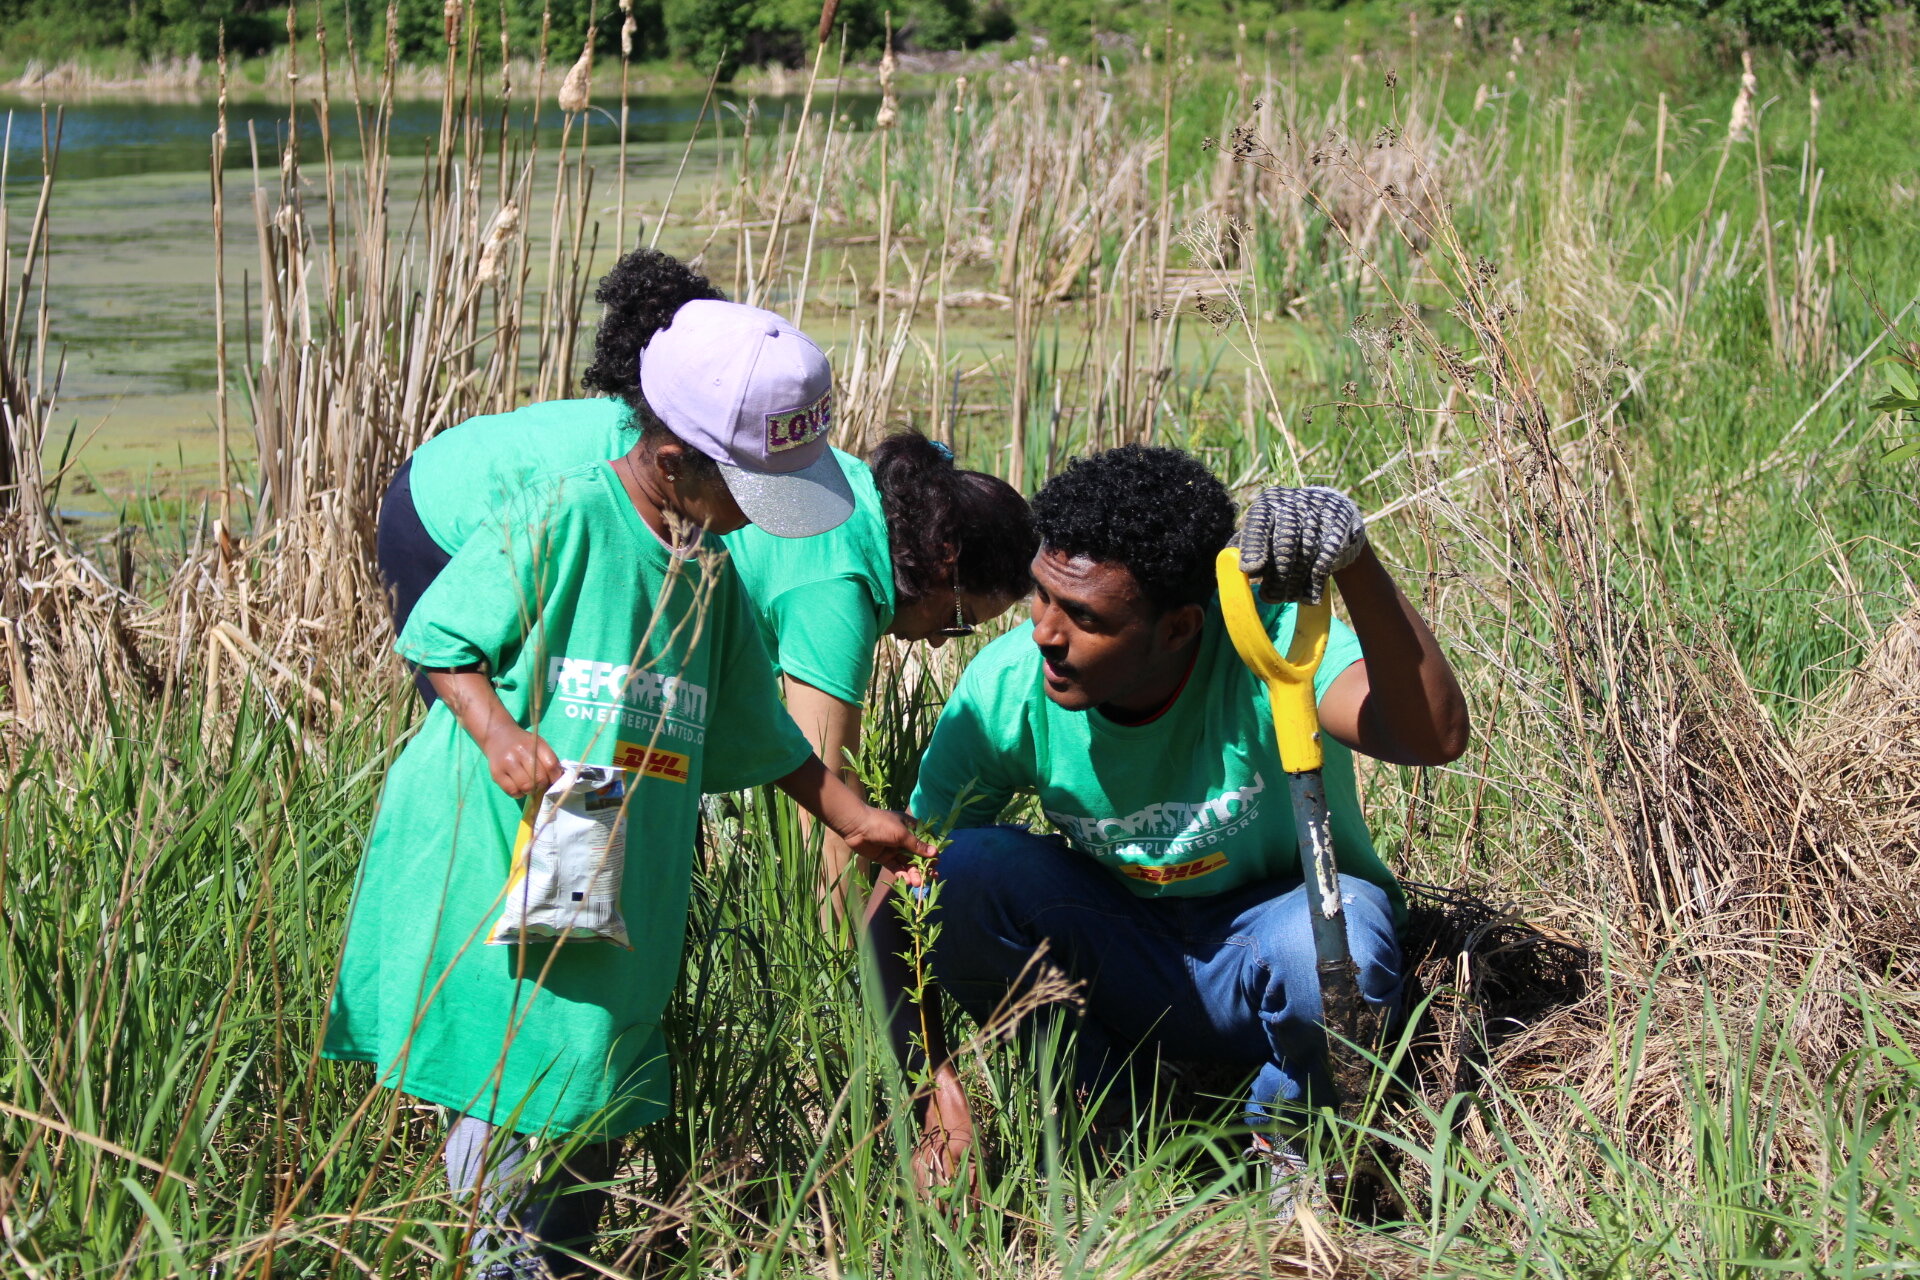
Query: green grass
point(174, 912)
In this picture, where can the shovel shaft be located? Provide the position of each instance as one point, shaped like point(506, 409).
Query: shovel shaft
point(1317, 866)
point(1296, 725)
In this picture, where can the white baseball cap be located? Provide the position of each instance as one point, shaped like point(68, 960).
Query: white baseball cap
point(755, 394)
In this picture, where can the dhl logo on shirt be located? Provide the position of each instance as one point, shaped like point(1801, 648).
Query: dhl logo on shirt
point(654, 762)
point(1179, 870)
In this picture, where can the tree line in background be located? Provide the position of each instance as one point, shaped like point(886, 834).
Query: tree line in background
point(738, 33)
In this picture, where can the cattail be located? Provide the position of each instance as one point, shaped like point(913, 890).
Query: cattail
point(576, 89)
point(1517, 51)
point(1480, 97)
point(450, 14)
point(493, 251)
point(1813, 112)
point(889, 111)
point(1742, 118)
point(959, 95)
point(627, 29)
point(827, 12)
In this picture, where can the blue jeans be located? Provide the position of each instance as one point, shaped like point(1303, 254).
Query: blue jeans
point(1227, 978)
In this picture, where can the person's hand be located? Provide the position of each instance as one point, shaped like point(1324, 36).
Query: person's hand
point(1293, 540)
point(886, 837)
point(946, 1136)
point(521, 763)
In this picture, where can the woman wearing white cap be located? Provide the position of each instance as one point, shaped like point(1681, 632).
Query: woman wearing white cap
point(929, 551)
point(591, 623)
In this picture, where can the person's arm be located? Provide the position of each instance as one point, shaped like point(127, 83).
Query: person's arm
point(474, 617)
point(878, 835)
point(1401, 703)
point(521, 763)
point(832, 726)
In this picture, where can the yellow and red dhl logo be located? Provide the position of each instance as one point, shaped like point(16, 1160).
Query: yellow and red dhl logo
point(654, 763)
point(1178, 870)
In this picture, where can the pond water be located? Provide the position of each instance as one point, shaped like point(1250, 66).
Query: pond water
point(115, 138)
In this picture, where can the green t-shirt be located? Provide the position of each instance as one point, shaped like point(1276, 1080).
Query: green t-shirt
point(823, 602)
point(593, 631)
point(468, 472)
point(1192, 804)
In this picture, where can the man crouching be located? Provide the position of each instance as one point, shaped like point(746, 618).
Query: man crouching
point(1171, 885)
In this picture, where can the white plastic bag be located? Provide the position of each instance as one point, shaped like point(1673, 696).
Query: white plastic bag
point(568, 862)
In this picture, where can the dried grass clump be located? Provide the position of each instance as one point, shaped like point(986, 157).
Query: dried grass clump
point(1863, 754)
point(70, 647)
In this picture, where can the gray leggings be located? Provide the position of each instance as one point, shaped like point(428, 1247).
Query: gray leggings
point(529, 1202)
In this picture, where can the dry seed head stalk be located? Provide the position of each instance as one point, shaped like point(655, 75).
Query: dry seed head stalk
point(1742, 118)
point(627, 29)
point(576, 89)
point(493, 251)
point(889, 113)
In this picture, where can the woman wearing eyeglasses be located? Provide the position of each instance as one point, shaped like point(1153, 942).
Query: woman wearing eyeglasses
point(931, 552)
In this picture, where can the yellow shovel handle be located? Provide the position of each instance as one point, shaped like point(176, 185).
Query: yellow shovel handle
point(1296, 723)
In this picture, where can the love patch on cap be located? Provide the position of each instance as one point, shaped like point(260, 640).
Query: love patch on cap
point(796, 428)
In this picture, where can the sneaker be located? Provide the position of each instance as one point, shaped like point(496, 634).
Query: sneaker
point(1290, 1182)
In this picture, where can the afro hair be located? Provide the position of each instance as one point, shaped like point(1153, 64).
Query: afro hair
point(640, 296)
point(1157, 511)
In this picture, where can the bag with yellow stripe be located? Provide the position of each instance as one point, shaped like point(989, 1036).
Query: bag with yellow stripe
point(568, 861)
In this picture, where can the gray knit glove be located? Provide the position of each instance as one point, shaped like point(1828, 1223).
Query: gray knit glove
point(1292, 540)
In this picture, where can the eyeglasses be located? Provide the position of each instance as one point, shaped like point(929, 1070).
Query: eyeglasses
point(960, 627)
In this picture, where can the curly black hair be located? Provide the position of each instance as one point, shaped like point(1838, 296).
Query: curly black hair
point(1157, 511)
point(640, 296)
point(934, 510)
